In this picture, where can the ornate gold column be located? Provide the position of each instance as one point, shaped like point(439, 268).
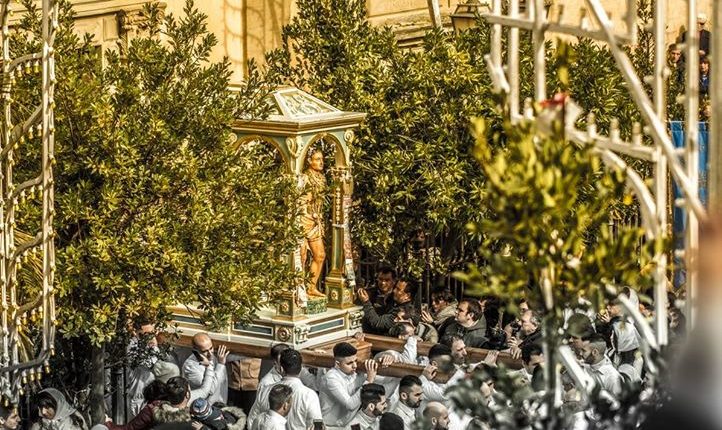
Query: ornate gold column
point(340, 294)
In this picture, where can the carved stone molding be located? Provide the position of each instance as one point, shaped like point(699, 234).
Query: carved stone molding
point(130, 22)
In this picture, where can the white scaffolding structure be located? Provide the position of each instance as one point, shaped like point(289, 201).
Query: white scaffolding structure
point(682, 164)
point(22, 355)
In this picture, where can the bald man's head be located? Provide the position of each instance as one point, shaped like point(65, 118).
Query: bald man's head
point(437, 416)
point(203, 344)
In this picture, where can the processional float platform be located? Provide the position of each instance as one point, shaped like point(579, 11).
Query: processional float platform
point(268, 328)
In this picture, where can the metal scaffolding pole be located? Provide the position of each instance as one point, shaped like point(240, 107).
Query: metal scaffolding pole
point(715, 141)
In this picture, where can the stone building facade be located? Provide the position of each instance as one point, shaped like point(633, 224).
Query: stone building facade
point(248, 28)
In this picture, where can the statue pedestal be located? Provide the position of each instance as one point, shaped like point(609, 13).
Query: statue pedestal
point(316, 305)
point(267, 329)
point(340, 295)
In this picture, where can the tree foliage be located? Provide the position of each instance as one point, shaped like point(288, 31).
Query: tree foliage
point(412, 165)
point(153, 206)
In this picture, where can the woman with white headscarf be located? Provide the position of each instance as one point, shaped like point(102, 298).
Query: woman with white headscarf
point(56, 413)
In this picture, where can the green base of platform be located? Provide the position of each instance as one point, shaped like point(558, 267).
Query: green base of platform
point(316, 305)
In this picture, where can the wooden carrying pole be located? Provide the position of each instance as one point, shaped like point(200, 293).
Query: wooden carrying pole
point(323, 357)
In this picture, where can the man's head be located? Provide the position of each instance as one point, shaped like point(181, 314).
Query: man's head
point(441, 298)
point(675, 53)
point(529, 322)
point(373, 399)
point(704, 65)
point(468, 312)
point(279, 399)
point(402, 330)
point(440, 355)
point(408, 313)
point(345, 356)
point(701, 20)
point(594, 348)
point(276, 351)
point(458, 348)
point(203, 344)
point(291, 362)
point(9, 418)
point(390, 421)
point(386, 279)
point(145, 330)
point(437, 416)
point(523, 306)
point(579, 326)
point(532, 355)
point(178, 392)
point(404, 292)
point(410, 391)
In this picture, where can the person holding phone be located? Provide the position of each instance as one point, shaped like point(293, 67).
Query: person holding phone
point(194, 369)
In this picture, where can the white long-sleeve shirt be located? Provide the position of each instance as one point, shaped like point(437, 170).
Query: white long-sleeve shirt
point(270, 420)
point(364, 421)
point(390, 383)
point(273, 377)
point(305, 406)
point(340, 396)
point(407, 414)
point(605, 374)
point(435, 392)
point(207, 386)
point(194, 371)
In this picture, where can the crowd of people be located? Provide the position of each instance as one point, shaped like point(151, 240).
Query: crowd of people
point(677, 63)
point(166, 393)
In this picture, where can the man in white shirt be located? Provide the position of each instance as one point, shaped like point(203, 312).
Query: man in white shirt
point(194, 370)
point(279, 402)
point(143, 351)
point(439, 359)
point(340, 390)
point(274, 375)
point(373, 405)
point(600, 367)
point(305, 407)
point(410, 393)
point(390, 383)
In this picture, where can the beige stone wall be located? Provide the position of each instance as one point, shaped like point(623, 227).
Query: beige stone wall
point(248, 28)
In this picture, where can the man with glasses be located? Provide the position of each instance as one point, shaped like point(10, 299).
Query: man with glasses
point(193, 369)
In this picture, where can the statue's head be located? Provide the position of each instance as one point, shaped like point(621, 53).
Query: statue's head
point(314, 159)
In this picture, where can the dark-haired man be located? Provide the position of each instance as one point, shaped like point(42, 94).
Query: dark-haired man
point(600, 367)
point(340, 390)
point(458, 349)
point(173, 413)
point(9, 418)
point(275, 375)
point(381, 323)
point(390, 421)
point(305, 405)
point(410, 393)
point(383, 300)
point(440, 359)
point(469, 324)
point(373, 405)
point(279, 402)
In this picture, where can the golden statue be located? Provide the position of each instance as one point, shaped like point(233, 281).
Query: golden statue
point(313, 192)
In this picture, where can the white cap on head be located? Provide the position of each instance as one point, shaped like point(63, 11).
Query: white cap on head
point(702, 18)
